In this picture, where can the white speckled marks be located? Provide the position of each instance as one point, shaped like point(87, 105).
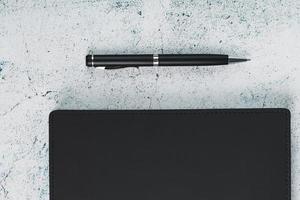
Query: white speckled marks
point(43, 45)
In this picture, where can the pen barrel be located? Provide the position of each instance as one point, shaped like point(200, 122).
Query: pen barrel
point(192, 59)
point(119, 60)
point(156, 60)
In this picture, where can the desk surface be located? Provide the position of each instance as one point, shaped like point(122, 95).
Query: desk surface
point(42, 51)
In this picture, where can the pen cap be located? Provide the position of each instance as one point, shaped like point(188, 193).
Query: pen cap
point(119, 60)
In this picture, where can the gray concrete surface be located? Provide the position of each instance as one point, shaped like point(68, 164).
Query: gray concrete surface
point(43, 45)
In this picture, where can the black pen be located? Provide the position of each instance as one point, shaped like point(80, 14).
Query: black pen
point(148, 60)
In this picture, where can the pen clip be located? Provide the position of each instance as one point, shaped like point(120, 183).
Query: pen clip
point(117, 67)
point(102, 68)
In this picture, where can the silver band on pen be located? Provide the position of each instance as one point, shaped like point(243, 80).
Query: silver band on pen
point(92, 59)
point(155, 60)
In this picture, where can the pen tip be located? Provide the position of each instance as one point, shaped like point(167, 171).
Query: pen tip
point(235, 60)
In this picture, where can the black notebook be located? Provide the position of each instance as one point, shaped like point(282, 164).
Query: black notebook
point(240, 154)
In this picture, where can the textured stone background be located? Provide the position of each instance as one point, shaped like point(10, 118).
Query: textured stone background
point(43, 45)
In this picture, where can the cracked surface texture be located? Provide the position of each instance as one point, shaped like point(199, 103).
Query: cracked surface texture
point(42, 67)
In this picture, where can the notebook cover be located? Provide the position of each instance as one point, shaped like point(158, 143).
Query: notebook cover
point(241, 154)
